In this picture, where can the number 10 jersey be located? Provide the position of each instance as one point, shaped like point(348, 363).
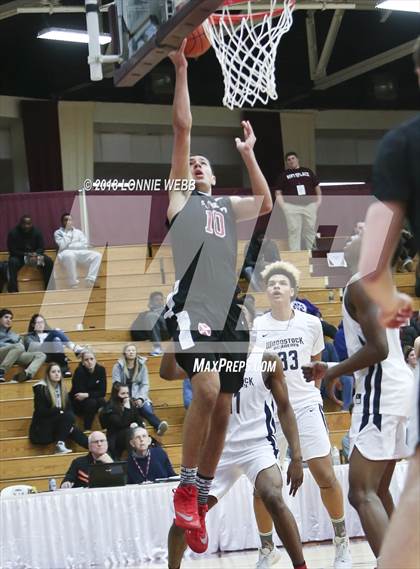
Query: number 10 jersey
point(295, 341)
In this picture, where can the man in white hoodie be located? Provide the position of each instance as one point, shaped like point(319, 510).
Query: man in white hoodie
point(73, 248)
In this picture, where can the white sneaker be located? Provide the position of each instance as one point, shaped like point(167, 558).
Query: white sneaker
point(60, 448)
point(162, 428)
point(156, 352)
point(267, 557)
point(342, 553)
point(78, 349)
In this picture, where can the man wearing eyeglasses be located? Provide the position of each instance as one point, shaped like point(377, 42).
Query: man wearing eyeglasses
point(77, 475)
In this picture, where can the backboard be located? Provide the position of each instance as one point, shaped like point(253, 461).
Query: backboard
point(147, 30)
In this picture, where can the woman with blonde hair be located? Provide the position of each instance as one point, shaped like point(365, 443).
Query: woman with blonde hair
point(131, 370)
point(53, 419)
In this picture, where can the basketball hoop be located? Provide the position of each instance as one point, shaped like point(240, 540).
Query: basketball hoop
point(246, 47)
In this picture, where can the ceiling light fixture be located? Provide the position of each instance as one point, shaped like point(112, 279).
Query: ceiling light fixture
point(75, 36)
point(400, 5)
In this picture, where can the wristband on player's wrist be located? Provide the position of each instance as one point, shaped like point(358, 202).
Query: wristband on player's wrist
point(296, 459)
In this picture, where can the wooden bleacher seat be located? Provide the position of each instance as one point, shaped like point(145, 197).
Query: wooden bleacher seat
point(124, 292)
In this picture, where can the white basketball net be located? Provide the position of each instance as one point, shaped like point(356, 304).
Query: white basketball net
point(247, 49)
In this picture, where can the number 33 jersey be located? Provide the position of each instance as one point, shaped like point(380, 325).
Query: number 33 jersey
point(295, 341)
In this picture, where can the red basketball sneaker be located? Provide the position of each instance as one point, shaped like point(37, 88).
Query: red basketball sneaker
point(197, 539)
point(186, 507)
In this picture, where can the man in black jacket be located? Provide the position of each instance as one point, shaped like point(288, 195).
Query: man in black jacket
point(77, 476)
point(26, 246)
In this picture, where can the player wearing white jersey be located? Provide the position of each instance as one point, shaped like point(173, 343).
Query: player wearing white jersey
point(250, 449)
point(297, 339)
point(397, 186)
point(381, 403)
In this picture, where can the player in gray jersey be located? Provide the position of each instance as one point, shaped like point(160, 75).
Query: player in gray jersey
point(200, 323)
point(384, 384)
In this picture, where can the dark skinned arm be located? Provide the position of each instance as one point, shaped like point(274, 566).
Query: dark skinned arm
point(375, 350)
point(317, 358)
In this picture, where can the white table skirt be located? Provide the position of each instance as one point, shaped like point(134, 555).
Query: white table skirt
point(128, 526)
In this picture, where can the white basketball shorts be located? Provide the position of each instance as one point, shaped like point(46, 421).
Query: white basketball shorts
point(313, 432)
point(242, 459)
point(384, 440)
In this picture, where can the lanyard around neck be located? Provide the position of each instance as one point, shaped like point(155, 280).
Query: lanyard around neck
point(149, 456)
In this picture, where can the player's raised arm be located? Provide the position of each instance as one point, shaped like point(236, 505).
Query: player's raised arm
point(384, 220)
point(374, 350)
point(365, 313)
point(261, 202)
point(277, 383)
point(181, 124)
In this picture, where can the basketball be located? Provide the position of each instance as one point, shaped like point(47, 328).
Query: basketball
point(197, 43)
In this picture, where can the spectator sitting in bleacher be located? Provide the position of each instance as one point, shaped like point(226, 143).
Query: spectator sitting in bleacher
point(12, 351)
point(304, 305)
point(53, 419)
point(73, 249)
point(131, 370)
point(26, 247)
point(260, 252)
point(88, 388)
point(151, 325)
point(340, 343)
point(77, 476)
point(116, 417)
point(250, 303)
point(329, 330)
point(408, 334)
point(411, 359)
point(405, 253)
point(329, 354)
point(146, 463)
point(187, 392)
point(41, 338)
